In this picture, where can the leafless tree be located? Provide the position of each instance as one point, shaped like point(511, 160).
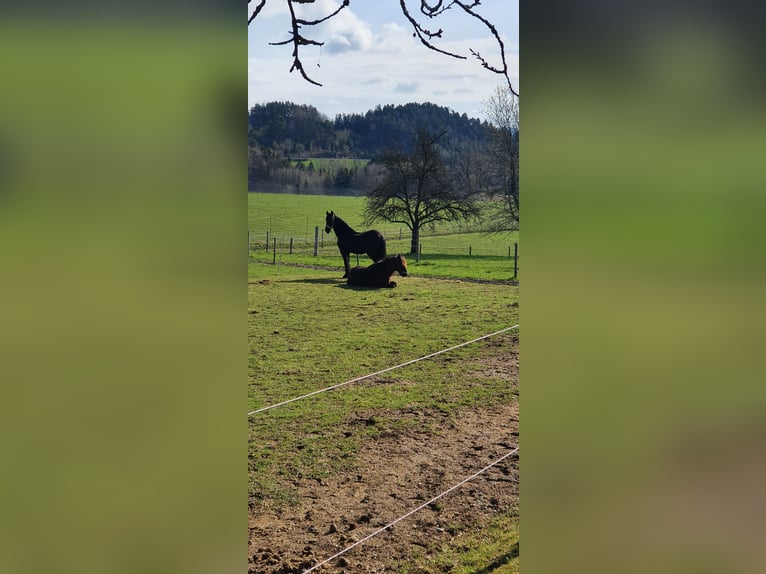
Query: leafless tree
point(502, 111)
point(417, 189)
point(428, 12)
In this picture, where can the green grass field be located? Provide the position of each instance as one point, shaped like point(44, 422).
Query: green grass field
point(307, 330)
point(445, 249)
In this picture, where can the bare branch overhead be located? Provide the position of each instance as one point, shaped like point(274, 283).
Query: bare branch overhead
point(429, 10)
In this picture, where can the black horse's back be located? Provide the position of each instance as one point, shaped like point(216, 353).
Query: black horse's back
point(372, 242)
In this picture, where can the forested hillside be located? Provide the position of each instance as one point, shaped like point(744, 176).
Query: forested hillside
point(281, 134)
point(302, 131)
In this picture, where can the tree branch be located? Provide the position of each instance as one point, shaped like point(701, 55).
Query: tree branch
point(315, 22)
point(298, 40)
point(430, 10)
point(258, 8)
point(424, 34)
point(468, 9)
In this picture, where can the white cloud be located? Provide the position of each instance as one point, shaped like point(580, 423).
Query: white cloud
point(270, 9)
point(344, 39)
point(361, 68)
point(394, 39)
point(343, 32)
point(406, 87)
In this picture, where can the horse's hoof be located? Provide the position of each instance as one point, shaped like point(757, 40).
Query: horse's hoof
point(392, 284)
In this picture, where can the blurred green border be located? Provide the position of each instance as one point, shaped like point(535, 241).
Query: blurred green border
point(123, 346)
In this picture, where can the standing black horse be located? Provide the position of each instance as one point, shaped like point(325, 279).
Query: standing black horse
point(349, 241)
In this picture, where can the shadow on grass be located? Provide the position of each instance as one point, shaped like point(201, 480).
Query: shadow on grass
point(341, 283)
point(345, 285)
point(319, 281)
point(502, 560)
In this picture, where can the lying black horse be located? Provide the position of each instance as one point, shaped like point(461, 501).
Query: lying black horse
point(379, 274)
point(349, 241)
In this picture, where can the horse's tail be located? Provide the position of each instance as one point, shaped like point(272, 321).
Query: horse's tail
point(382, 248)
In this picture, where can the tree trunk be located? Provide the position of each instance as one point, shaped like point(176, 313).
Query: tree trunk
point(415, 240)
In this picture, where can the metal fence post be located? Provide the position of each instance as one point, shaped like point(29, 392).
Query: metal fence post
point(515, 260)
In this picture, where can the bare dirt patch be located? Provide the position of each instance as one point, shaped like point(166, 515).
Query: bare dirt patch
point(398, 471)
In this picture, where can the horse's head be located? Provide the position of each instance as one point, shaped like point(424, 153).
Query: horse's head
point(401, 265)
point(329, 221)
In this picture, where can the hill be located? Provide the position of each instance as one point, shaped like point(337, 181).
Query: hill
point(302, 131)
point(282, 133)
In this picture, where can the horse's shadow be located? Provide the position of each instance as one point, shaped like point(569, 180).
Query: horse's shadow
point(340, 283)
point(345, 285)
point(320, 281)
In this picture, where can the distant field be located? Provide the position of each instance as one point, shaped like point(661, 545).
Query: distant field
point(292, 215)
point(445, 249)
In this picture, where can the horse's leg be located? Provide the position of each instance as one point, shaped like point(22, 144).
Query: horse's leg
point(346, 264)
point(391, 284)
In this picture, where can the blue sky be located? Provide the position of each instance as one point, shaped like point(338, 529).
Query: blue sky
point(370, 57)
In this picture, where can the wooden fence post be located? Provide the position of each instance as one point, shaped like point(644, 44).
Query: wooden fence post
point(274, 260)
point(515, 260)
point(316, 240)
point(291, 246)
point(469, 250)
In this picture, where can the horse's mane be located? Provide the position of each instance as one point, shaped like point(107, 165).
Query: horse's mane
point(344, 227)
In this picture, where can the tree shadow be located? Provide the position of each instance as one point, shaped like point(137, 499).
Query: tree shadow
point(500, 561)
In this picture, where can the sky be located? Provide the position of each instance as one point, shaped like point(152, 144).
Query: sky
point(370, 57)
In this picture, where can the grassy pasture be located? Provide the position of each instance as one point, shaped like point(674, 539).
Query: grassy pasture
point(296, 215)
point(445, 252)
point(307, 331)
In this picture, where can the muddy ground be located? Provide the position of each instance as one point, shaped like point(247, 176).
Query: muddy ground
point(396, 473)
